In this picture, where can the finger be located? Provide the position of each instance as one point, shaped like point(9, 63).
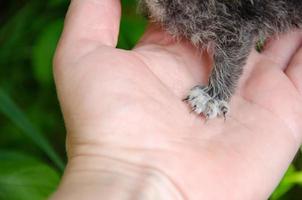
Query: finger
point(294, 70)
point(280, 49)
point(92, 22)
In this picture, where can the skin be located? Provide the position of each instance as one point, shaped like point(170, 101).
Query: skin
point(130, 136)
point(231, 28)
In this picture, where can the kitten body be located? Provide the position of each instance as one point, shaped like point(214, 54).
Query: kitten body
point(233, 26)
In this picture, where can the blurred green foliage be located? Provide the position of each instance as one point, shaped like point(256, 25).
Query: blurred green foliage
point(32, 139)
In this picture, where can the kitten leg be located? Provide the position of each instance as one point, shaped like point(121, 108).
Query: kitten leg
point(229, 58)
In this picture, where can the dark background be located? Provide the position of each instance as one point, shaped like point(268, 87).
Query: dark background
point(32, 134)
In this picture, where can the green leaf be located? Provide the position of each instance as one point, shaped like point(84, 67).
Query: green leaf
point(295, 178)
point(44, 50)
point(12, 111)
point(13, 155)
point(126, 3)
point(132, 28)
point(23, 177)
point(56, 2)
point(260, 44)
point(15, 32)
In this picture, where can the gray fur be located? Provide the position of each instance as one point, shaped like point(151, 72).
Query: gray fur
point(233, 26)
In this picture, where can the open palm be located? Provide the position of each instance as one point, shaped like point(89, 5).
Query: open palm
point(127, 106)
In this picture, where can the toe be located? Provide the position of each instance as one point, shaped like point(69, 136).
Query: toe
point(223, 108)
point(211, 110)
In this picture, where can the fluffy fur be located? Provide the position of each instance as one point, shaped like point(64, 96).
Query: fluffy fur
point(233, 26)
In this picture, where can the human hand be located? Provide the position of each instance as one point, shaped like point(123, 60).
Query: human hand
point(129, 135)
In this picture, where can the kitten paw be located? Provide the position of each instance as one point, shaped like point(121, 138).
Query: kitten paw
point(202, 103)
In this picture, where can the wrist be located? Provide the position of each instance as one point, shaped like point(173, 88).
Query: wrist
point(95, 177)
